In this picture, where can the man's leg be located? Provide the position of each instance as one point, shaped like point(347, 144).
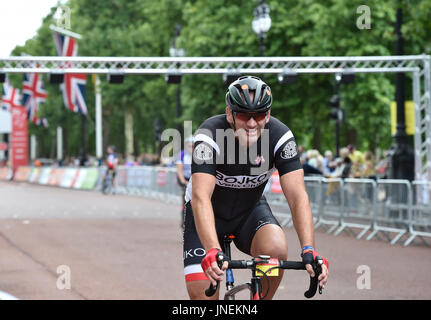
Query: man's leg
point(261, 234)
point(270, 240)
point(196, 280)
point(196, 290)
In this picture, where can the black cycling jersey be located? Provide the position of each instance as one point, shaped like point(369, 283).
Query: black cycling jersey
point(241, 173)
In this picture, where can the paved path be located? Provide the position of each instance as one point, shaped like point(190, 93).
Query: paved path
point(128, 247)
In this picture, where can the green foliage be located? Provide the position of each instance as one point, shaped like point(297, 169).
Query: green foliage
point(223, 28)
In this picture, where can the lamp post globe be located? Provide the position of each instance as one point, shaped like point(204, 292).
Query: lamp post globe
point(261, 24)
point(262, 21)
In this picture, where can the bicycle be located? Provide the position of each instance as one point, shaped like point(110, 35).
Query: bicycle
point(107, 186)
point(263, 266)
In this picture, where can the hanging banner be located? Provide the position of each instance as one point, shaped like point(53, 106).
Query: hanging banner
point(19, 137)
point(409, 111)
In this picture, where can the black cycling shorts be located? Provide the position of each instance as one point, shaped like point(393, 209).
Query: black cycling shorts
point(243, 228)
point(113, 171)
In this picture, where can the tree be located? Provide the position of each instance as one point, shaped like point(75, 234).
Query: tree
point(223, 28)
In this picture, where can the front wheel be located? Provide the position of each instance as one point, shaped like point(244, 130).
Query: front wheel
point(230, 294)
point(106, 186)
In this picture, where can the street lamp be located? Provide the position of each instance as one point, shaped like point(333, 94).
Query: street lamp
point(176, 77)
point(337, 112)
point(402, 157)
point(261, 24)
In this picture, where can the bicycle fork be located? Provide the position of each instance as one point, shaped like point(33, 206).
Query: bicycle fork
point(254, 287)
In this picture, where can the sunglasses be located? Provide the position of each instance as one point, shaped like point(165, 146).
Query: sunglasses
point(245, 116)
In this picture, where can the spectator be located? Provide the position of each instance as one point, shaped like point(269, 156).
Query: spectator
point(302, 154)
point(145, 159)
point(311, 165)
point(338, 169)
point(347, 163)
point(355, 170)
point(357, 160)
point(130, 161)
point(383, 165)
point(154, 160)
point(368, 169)
point(328, 163)
point(344, 165)
point(355, 155)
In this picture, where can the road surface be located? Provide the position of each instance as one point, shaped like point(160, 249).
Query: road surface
point(69, 244)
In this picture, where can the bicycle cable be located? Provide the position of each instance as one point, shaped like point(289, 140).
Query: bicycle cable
point(267, 279)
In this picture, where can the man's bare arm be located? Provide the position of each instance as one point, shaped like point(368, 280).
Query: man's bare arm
point(202, 189)
point(180, 173)
point(293, 187)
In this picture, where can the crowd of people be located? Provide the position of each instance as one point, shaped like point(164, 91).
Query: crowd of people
point(351, 163)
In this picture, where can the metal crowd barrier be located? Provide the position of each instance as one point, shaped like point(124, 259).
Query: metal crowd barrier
point(420, 212)
point(380, 207)
point(383, 207)
point(313, 187)
point(359, 205)
point(331, 203)
point(149, 181)
point(393, 211)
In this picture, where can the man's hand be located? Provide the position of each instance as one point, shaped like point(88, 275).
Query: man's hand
point(210, 266)
point(308, 257)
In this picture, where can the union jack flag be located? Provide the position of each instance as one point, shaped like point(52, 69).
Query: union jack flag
point(33, 94)
point(73, 87)
point(10, 97)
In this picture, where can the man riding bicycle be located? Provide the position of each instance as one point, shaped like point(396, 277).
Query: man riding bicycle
point(234, 155)
point(111, 163)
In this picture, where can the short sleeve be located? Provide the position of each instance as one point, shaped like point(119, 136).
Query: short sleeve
point(286, 156)
point(204, 155)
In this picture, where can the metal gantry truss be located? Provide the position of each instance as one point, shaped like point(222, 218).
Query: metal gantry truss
point(418, 65)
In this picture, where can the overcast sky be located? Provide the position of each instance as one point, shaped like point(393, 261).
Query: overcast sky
point(19, 21)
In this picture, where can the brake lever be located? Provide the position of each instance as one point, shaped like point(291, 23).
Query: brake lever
point(213, 289)
point(314, 281)
point(318, 271)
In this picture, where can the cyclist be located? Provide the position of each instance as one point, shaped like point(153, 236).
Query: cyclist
point(184, 170)
point(224, 194)
point(111, 163)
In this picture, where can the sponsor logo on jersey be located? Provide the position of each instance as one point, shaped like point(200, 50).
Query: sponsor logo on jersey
point(289, 151)
point(242, 182)
point(203, 152)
